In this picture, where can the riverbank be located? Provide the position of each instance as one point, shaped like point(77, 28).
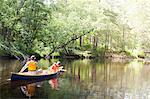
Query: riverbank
point(115, 56)
point(77, 55)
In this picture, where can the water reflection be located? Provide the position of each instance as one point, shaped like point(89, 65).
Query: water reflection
point(29, 90)
point(89, 79)
point(107, 80)
point(6, 67)
point(54, 83)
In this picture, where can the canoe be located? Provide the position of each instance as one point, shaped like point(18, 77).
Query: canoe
point(17, 83)
point(28, 77)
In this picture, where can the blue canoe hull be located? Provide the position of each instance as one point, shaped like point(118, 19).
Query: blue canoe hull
point(17, 76)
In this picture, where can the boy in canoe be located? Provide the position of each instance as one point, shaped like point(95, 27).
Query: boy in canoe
point(31, 65)
point(55, 67)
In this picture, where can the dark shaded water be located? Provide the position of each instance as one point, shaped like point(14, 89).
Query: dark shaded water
point(84, 79)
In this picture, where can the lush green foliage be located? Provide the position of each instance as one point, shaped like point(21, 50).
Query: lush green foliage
point(67, 26)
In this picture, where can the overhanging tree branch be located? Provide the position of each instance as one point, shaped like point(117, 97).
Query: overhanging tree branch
point(66, 43)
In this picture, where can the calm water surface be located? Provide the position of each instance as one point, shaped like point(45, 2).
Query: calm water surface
point(84, 79)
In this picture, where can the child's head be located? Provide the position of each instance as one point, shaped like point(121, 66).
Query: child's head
point(58, 63)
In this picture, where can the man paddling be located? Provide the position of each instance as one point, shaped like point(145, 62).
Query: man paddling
point(31, 65)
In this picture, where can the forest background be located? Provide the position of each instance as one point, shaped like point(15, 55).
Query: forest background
point(84, 28)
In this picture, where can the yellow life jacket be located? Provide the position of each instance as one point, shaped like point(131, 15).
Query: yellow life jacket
point(32, 66)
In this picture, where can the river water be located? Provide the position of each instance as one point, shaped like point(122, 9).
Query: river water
point(84, 79)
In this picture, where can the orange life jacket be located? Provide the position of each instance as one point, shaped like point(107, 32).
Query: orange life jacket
point(55, 67)
point(32, 66)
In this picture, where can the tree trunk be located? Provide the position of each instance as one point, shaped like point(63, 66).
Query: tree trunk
point(106, 41)
point(95, 41)
point(81, 41)
point(123, 41)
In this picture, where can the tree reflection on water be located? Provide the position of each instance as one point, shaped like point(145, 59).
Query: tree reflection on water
point(92, 79)
point(107, 80)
